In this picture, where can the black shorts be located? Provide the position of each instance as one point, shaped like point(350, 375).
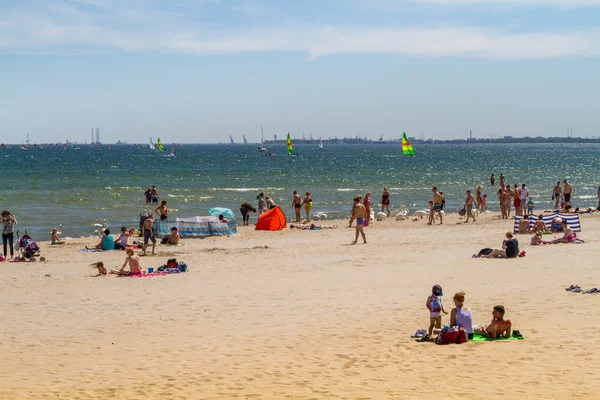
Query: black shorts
point(149, 236)
point(567, 197)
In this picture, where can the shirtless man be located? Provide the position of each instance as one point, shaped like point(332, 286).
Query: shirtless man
point(556, 193)
point(498, 327)
point(154, 194)
point(359, 212)
point(509, 195)
point(437, 206)
point(524, 225)
point(174, 236)
point(567, 192)
point(517, 199)
point(297, 205)
point(134, 265)
point(469, 206)
point(148, 234)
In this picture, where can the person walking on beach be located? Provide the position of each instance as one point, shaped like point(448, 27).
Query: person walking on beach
point(385, 201)
point(297, 205)
point(567, 191)
point(359, 213)
point(556, 194)
point(492, 180)
point(501, 180)
point(367, 204)
point(162, 211)
point(154, 195)
point(8, 221)
point(437, 206)
point(308, 205)
point(148, 233)
point(469, 206)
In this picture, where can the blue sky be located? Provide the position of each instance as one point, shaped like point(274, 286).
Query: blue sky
point(198, 71)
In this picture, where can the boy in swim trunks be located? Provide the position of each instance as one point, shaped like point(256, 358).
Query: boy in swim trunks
point(498, 327)
point(437, 206)
point(297, 205)
point(134, 265)
point(359, 213)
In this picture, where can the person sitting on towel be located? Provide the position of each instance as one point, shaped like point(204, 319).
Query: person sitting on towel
point(510, 248)
point(540, 225)
point(498, 327)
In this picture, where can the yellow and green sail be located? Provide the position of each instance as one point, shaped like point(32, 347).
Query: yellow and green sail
point(406, 147)
point(289, 145)
point(161, 148)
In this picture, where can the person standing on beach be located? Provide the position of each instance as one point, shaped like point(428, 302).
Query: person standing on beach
point(479, 199)
point(270, 203)
point(469, 206)
point(245, 210)
point(261, 203)
point(308, 205)
point(367, 204)
point(556, 194)
point(148, 233)
point(502, 201)
point(385, 201)
point(437, 206)
point(509, 195)
point(501, 180)
point(154, 195)
point(162, 211)
point(359, 213)
point(524, 195)
point(8, 220)
point(492, 180)
point(297, 205)
point(567, 191)
point(517, 200)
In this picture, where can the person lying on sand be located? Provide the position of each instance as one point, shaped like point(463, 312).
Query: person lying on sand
point(54, 237)
point(498, 327)
point(312, 226)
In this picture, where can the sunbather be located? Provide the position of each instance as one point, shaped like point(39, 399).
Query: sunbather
point(540, 225)
point(568, 235)
point(510, 248)
point(498, 327)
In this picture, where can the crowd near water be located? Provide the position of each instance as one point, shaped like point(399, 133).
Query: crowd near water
point(80, 189)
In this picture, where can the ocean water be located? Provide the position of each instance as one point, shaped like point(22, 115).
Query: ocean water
point(49, 187)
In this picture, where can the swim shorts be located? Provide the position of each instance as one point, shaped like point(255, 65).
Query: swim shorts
point(437, 207)
point(154, 199)
point(360, 221)
point(149, 236)
point(517, 202)
point(567, 197)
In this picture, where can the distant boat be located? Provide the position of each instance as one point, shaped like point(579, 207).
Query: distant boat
point(289, 146)
point(152, 147)
point(320, 144)
point(159, 144)
point(407, 149)
point(231, 139)
point(23, 147)
point(262, 141)
point(245, 141)
point(173, 150)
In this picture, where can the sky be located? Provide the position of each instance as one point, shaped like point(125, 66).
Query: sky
point(198, 71)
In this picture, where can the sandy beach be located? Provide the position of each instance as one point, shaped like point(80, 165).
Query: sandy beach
point(303, 315)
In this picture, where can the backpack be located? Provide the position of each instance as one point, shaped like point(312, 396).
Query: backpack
point(484, 252)
point(452, 336)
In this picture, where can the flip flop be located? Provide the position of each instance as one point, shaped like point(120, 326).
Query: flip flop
point(570, 288)
point(593, 290)
point(425, 338)
point(577, 290)
point(517, 334)
point(418, 334)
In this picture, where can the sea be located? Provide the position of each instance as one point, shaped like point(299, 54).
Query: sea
point(78, 189)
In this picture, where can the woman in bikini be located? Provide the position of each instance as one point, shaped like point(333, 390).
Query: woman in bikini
point(568, 234)
point(385, 201)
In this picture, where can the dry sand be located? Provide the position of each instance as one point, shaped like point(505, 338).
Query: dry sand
point(302, 315)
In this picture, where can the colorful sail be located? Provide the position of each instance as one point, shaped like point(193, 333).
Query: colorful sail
point(159, 144)
point(289, 145)
point(406, 147)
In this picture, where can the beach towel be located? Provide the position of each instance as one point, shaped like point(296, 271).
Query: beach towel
point(186, 229)
point(572, 221)
point(92, 251)
point(479, 338)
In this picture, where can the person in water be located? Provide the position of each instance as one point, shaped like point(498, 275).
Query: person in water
point(162, 211)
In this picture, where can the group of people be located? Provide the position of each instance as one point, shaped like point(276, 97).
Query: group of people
point(462, 317)
point(519, 197)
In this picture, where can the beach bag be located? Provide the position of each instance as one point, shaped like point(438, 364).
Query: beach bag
point(462, 212)
point(452, 336)
point(484, 252)
point(164, 240)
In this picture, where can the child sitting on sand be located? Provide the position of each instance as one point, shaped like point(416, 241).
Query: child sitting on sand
point(54, 237)
point(435, 307)
point(536, 240)
point(498, 327)
point(134, 265)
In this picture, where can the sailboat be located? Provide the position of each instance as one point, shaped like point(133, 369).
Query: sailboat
point(407, 149)
point(160, 146)
point(262, 141)
point(152, 147)
point(173, 150)
point(23, 147)
point(245, 141)
point(231, 139)
point(289, 146)
point(320, 144)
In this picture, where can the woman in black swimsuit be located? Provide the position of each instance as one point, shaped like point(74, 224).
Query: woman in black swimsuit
point(385, 201)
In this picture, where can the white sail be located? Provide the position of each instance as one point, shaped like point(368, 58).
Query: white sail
point(320, 144)
point(152, 147)
point(262, 141)
point(245, 141)
point(231, 138)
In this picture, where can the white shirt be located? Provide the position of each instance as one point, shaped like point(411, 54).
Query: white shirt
point(524, 193)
